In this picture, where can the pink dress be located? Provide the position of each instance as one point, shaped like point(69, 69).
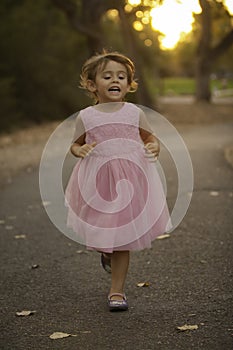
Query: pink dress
point(114, 196)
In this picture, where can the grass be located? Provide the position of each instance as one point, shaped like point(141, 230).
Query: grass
point(186, 86)
point(178, 86)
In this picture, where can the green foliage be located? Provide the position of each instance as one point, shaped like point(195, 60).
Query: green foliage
point(9, 103)
point(40, 63)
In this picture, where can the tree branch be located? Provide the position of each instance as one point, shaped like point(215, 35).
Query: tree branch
point(70, 10)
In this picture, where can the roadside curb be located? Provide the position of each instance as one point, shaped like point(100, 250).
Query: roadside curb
point(228, 154)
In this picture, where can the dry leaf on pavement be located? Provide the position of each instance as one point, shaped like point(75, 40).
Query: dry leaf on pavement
point(46, 203)
point(214, 193)
point(60, 335)
point(85, 332)
point(82, 252)
point(25, 313)
point(12, 217)
point(187, 327)
point(9, 227)
point(143, 284)
point(35, 266)
point(164, 236)
point(20, 236)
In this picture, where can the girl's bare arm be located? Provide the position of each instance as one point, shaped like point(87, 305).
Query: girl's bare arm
point(151, 142)
point(79, 148)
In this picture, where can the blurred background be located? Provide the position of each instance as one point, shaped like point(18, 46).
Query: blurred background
point(180, 48)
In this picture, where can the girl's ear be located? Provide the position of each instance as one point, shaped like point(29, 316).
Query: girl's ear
point(91, 86)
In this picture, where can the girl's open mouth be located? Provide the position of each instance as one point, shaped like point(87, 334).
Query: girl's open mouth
point(114, 88)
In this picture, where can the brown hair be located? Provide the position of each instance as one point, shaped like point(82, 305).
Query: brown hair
point(99, 61)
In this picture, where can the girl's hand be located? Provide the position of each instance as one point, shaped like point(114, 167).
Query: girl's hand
point(153, 150)
point(82, 151)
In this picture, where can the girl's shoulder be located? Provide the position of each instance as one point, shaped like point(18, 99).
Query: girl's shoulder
point(134, 110)
point(86, 111)
point(86, 114)
point(132, 106)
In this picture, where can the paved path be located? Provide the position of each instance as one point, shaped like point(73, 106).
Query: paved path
point(190, 273)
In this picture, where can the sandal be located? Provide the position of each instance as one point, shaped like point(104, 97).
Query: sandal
point(117, 305)
point(106, 262)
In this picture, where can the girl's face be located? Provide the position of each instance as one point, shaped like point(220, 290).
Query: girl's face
point(111, 84)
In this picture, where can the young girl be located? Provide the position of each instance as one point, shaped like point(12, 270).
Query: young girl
point(115, 197)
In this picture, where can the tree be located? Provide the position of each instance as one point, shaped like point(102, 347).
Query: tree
point(39, 63)
point(86, 16)
point(206, 53)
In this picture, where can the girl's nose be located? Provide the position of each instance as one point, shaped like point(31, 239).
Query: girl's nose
point(115, 79)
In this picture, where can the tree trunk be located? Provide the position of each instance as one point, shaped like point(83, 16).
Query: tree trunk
point(203, 71)
point(207, 55)
point(203, 62)
point(88, 22)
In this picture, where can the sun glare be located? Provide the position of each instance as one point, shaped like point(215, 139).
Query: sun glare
point(134, 2)
point(229, 6)
point(173, 19)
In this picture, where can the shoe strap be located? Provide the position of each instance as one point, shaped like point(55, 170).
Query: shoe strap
point(118, 295)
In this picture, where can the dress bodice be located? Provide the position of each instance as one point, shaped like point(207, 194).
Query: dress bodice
point(120, 129)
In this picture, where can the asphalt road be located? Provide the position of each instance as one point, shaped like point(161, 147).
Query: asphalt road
point(190, 273)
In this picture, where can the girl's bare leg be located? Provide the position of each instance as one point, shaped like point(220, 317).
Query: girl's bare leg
point(119, 264)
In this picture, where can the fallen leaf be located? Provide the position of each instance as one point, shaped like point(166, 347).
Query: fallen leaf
point(46, 203)
point(12, 217)
point(187, 327)
point(29, 169)
point(60, 335)
point(143, 284)
point(25, 313)
point(85, 332)
point(203, 261)
point(35, 266)
point(20, 236)
point(214, 193)
point(164, 236)
point(9, 227)
point(82, 252)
